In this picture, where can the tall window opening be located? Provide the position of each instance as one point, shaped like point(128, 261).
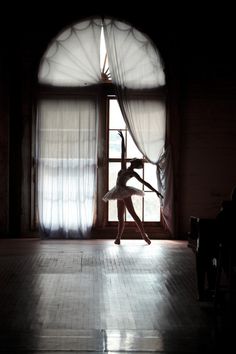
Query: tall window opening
point(91, 63)
point(148, 207)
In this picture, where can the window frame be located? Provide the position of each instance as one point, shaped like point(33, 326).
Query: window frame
point(103, 93)
point(118, 160)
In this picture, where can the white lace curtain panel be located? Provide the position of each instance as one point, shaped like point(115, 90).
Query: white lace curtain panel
point(75, 58)
point(67, 165)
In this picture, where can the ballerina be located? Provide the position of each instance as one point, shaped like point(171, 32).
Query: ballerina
point(123, 193)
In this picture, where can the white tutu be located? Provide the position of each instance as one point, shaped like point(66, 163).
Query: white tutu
point(121, 192)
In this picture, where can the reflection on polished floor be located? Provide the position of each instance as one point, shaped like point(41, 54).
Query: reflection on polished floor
point(96, 297)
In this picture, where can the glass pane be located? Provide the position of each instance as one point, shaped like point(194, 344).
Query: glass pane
point(114, 168)
point(116, 118)
point(151, 207)
point(150, 175)
point(114, 144)
point(132, 150)
point(112, 210)
point(137, 202)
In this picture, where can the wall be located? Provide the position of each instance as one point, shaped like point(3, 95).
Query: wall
point(208, 150)
point(207, 170)
point(4, 146)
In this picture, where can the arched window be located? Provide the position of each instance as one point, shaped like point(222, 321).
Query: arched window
point(96, 77)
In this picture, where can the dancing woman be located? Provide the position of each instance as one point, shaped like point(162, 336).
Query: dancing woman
point(123, 193)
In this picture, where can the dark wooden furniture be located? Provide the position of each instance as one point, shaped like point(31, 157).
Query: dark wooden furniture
point(204, 243)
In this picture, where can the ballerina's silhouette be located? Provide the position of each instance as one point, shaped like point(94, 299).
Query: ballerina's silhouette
point(123, 193)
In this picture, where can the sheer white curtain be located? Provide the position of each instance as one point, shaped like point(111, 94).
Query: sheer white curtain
point(145, 119)
point(67, 166)
point(135, 65)
point(134, 61)
point(73, 57)
point(166, 187)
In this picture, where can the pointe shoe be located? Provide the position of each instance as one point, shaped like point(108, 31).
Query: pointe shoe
point(147, 239)
point(117, 241)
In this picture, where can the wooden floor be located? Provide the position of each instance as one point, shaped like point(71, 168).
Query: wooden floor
point(95, 297)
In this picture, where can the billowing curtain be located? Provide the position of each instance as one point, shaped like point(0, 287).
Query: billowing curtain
point(67, 166)
point(136, 66)
point(166, 187)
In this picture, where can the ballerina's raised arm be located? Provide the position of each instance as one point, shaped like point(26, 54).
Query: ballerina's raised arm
point(123, 150)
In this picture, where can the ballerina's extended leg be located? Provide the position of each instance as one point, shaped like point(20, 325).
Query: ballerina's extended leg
point(130, 208)
point(147, 239)
point(121, 224)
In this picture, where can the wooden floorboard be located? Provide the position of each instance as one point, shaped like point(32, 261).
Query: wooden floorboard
point(93, 297)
